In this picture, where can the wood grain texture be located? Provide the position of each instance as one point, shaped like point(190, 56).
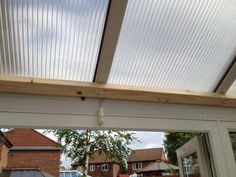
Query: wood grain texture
point(107, 91)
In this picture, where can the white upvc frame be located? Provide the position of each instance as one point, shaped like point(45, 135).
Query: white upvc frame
point(225, 127)
point(70, 112)
point(139, 165)
point(105, 167)
point(92, 167)
point(196, 145)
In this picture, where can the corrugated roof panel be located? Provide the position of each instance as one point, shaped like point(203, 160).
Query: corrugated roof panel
point(55, 39)
point(175, 44)
point(232, 89)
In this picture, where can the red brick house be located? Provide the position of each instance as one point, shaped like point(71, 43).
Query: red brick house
point(141, 158)
point(100, 166)
point(31, 149)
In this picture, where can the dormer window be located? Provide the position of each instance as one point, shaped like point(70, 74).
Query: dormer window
point(104, 167)
point(137, 166)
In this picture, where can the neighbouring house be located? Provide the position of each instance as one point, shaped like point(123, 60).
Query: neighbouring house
point(5, 144)
point(100, 166)
point(31, 149)
point(141, 158)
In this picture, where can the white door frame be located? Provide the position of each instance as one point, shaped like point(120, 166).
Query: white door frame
point(71, 112)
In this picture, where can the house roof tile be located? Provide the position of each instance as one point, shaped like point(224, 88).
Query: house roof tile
point(28, 137)
point(100, 157)
point(159, 165)
point(146, 155)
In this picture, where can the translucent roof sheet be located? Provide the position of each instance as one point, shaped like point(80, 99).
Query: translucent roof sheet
point(175, 44)
point(50, 38)
point(232, 89)
point(70, 174)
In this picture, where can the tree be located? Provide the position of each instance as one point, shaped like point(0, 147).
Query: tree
point(80, 145)
point(175, 140)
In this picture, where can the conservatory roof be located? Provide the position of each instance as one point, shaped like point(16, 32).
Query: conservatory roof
point(23, 172)
point(157, 166)
point(165, 51)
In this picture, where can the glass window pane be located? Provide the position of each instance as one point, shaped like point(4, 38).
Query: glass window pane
point(29, 173)
point(17, 173)
point(191, 166)
point(38, 174)
point(62, 174)
point(67, 174)
point(175, 44)
point(233, 141)
point(50, 38)
point(74, 174)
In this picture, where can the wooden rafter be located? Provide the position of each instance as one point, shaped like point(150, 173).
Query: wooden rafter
point(107, 91)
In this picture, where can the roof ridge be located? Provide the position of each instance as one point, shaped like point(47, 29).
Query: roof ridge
point(147, 149)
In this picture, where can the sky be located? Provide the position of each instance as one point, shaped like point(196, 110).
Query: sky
point(146, 140)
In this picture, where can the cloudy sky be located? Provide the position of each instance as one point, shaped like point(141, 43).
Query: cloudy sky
point(147, 140)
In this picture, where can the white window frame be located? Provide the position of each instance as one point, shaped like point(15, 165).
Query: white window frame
point(31, 111)
point(91, 167)
point(137, 165)
point(224, 128)
point(104, 167)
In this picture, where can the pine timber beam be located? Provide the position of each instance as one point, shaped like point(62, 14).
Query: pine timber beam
point(105, 91)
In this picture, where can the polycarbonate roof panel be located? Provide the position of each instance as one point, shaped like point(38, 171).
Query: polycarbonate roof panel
point(177, 44)
point(232, 89)
point(70, 174)
point(21, 172)
point(55, 39)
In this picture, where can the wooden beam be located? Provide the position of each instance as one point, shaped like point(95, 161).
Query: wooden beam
point(228, 79)
point(107, 91)
point(115, 15)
